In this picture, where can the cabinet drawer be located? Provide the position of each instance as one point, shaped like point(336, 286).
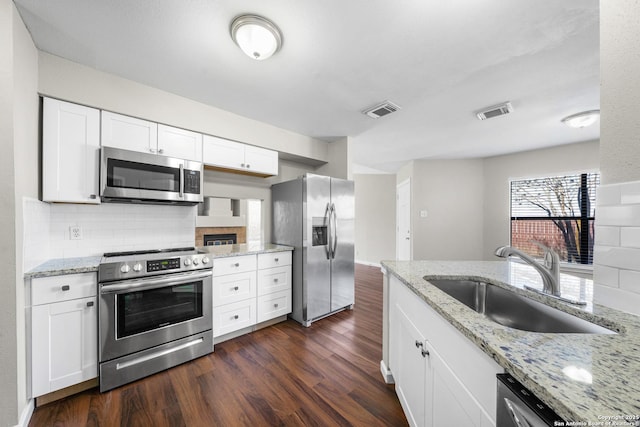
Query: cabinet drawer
point(46, 290)
point(274, 280)
point(234, 264)
point(233, 288)
point(274, 305)
point(274, 259)
point(231, 317)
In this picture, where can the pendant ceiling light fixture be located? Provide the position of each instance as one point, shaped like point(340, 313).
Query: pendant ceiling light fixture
point(258, 37)
point(581, 120)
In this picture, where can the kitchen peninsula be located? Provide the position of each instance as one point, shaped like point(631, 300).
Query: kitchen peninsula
point(607, 384)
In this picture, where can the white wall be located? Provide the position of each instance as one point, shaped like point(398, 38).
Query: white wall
point(339, 157)
point(451, 192)
point(375, 220)
point(499, 170)
point(617, 246)
point(63, 79)
point(619, 91)
point(18, 178)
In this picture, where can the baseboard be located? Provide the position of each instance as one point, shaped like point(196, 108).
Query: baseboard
point(370, 264)
point(27, 412)
point(386, 373)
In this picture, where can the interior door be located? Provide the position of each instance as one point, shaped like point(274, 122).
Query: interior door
point(342, 244)
point(317, 276)
point(403, 221)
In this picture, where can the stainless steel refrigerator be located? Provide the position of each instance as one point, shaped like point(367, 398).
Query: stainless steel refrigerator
point(315, 215)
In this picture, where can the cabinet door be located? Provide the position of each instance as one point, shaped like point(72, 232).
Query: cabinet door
point(272, 280)
point(261, 160)
point(129, 133)
point(64, 344)
point(409, 367)
point(231, 317)
point(180, 143)
point(70, 152)
point(223, 153)
point(452, 403)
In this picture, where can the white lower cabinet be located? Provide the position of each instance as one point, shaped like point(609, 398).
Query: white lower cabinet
point(250, 289)
point(441, 378)
point(64, 332)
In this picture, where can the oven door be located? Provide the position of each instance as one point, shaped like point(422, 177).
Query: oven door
point(134, 176)
point(143, 313)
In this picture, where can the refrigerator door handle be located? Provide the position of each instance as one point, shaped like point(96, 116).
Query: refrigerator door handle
point(327, 222)
point(334, 231)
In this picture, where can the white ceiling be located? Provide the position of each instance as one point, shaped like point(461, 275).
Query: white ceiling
point(439, 60)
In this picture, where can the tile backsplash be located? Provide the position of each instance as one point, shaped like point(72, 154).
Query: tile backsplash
point(106, 227)
point(616, 259)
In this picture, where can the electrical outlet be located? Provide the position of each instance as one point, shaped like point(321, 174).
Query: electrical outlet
point(75, 232)
point(424, 214)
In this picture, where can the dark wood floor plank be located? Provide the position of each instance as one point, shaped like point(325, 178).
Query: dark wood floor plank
point(283, 375)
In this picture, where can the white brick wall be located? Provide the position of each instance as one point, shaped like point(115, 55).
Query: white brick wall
point(105, 228)
point(616, 260)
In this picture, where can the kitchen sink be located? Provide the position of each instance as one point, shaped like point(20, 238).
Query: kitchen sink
point(513, 310)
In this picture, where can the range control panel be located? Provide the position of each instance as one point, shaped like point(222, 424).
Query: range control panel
point(163, 264)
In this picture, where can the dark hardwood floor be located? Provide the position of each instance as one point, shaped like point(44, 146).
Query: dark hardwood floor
point(283, 375)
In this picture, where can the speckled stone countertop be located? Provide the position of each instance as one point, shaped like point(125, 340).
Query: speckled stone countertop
point(60, 266)
point(607, 367)
point(220, 251)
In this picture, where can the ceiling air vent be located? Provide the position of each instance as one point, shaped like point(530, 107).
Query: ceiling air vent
point(381, 109)
point(495, 111)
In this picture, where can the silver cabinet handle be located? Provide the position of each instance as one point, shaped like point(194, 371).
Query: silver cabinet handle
point(65, 287)
point(90, 304)
point(161, 150)
point(276, 259)
point(248, 166)
point(275, 305)
point(424, 353)
point(237, 264)
point(275, 280)
point(241, 165)
point(235, 288)
point(419, 344)
point(235, 317)
point(152, 150)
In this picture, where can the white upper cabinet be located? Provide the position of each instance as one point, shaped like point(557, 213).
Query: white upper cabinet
point(224, 154)
point(70, 152)
point(129, 133)
point(133, 134)
point(180, 143)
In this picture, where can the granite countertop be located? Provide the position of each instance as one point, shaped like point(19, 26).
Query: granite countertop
point(220, 251)
point(61, 266)
point(606, 366)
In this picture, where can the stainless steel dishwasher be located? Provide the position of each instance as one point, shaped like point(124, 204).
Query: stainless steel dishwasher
point(518, 407)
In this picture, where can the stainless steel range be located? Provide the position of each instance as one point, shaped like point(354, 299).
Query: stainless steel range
point(154, 312)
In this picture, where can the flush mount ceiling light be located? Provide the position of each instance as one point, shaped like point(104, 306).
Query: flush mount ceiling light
point(258, 37)
point(580, 120)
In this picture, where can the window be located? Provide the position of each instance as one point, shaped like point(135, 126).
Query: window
point(558, 212)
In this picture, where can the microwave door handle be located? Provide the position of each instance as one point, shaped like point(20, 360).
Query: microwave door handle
point(181, 191)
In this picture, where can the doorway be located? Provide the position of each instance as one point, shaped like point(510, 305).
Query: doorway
point(403, 221)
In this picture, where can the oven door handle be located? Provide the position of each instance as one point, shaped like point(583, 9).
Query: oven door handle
point(151, 283)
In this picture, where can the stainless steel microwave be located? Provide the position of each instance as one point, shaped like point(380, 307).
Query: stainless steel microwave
point(131, 176)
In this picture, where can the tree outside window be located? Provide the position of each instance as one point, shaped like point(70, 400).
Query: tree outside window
point(558, 212)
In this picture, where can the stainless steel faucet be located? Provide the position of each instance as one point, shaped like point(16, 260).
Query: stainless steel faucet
point(550, 270)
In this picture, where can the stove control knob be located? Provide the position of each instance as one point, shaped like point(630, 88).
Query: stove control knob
point(195, 261)
point(187, 262)
point(137, 268)
point(205, 260)
point(125, 268)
